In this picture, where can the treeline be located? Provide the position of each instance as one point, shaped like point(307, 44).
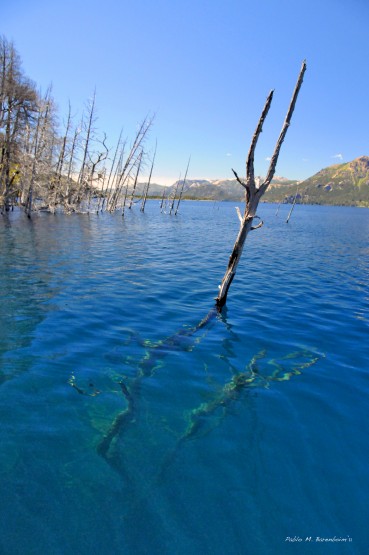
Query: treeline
point(45, 166)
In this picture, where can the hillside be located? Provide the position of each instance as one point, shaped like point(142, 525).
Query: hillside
point(341, 184)
point(204, 189)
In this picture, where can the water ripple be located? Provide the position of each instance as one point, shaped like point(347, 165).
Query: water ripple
point(241, 429)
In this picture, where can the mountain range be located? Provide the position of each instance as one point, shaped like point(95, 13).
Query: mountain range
point(340, 184)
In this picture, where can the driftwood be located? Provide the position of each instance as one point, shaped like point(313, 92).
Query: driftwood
point(253, 191)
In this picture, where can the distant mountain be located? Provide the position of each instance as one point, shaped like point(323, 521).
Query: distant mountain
point(217, 189)
point(340, 184)
point(155, 190)
point(224, 189)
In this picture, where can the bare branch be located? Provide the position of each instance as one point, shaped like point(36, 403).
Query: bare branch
point(239, 214)
point(239, 180)
point(183, 184)
point(149, 181)
point(243, 185)
point(250, 172)
point(286, 124)
point(260, 224)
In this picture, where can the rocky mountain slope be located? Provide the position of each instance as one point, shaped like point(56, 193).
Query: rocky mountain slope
point(205, 189)
point(340, 184)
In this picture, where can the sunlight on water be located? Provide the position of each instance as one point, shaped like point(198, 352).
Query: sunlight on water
point(131, 426)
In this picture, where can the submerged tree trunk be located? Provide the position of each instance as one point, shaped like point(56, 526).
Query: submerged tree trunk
point(292, 207)
point(139, 162)
point(254, 192)
point(162, 200)
point(146, 192)
point(91, 117)
point(40, 146)
point(174, 195)
point(69, 187)
point(182, 188)
point(105, 194)
point(183, 340)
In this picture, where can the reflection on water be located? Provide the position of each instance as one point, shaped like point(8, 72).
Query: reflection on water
point(128, 428)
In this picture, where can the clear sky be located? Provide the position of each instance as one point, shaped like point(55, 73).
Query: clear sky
point(205, 67)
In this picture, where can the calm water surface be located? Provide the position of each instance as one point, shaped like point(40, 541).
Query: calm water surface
point(200, 466)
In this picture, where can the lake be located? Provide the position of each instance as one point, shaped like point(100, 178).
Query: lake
point(128, 429)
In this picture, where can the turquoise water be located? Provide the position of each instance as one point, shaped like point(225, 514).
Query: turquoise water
point(201, 463)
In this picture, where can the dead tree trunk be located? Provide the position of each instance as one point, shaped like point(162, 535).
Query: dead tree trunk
point(100, 157)
point(254, 192)
point(146, 192)
point(39, 147)
point(139, 162)
point(61, 159)
point(162, 200)
point(182, 188)
point(292, 207)
point(69, 187)
point(105, 194)
point(91, 117)
point(174, 195)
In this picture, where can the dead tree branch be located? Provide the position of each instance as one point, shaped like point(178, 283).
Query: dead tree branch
point(146, 191)
point(254, 192)
point(273, 163)
point(183, 184)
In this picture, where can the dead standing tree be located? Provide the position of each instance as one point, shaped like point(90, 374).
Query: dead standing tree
point(146, 189)
point(253, 192)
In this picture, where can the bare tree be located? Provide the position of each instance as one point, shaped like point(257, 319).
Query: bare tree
point(113, 192)
point(95, 161)
point(162, 200)
point(182, 188)
point(60, 170)
point(146, 190)
point(105, 193)
point(40, 174)
point(253, 192)
point(91, 118)
point(128, 166)
point(174, 194)
point(70, 185)
point(139, 163)
point(61, 160)
point(293, 206)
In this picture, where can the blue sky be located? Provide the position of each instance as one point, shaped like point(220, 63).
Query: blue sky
point(205, 68)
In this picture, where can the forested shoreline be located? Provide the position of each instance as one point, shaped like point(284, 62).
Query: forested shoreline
point(50, 165)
